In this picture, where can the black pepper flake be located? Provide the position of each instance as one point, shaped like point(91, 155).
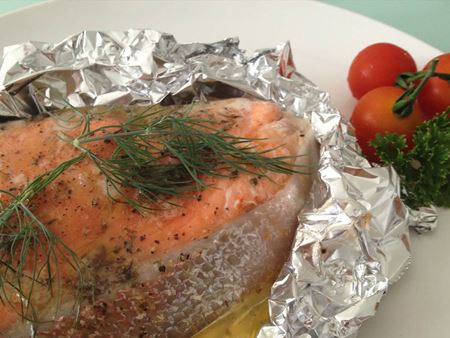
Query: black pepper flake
point(176, 237)
point(126, 272)
point(183, 214)
point(101, 307)
point(156, 241)
point(143, 306)
point(199, 198)
point(162, 268)
point(234, 174)
point(94, 202)
point(107, 141)
point(142, 238)
point(254, 181)
point(128, 246)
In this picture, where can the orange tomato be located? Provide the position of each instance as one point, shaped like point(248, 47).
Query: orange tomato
point(373, 115)
point(378, 65)
point(434, 97)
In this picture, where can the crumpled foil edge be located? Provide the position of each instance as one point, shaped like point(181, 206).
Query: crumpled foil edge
point(352, 240)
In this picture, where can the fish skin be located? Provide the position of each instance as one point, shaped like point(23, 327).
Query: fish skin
point(171, 272)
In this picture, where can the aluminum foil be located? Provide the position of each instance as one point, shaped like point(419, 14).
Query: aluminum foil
point(352, 240)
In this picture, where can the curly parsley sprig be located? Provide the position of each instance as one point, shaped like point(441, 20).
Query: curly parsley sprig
point(425, 169)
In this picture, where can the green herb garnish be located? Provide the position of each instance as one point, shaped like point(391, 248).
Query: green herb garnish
point(160, 153)
point(425, 169)
point(29, 251)
point(167, 155)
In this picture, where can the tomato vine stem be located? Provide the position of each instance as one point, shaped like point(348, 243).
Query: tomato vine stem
point(403, 107)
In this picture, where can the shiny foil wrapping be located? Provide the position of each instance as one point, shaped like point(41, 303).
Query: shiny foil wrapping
point(352, 240)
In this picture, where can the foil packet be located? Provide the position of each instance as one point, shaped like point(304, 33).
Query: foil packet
point(352, 240)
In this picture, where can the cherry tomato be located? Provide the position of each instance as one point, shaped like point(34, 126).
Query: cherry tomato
point(434, 97)
point(373, 114)
point(376, 66)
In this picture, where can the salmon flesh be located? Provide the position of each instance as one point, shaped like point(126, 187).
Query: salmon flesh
point(168, 272)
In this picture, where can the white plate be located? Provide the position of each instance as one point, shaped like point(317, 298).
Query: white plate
point(324, 39)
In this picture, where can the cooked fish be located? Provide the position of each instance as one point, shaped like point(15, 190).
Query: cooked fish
point(170, 271)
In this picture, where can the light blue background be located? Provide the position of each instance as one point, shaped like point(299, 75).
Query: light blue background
point(428, 20)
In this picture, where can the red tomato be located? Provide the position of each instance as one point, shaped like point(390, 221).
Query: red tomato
point(376, 66)
point(373, 115)
point(434, 97)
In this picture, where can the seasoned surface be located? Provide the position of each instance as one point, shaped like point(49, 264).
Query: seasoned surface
point(171, 271)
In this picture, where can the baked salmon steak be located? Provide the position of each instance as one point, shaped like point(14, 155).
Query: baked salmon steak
point(136, 222)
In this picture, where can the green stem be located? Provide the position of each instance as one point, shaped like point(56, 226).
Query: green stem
point(79, 141)
point(443, 76)
point(22, 235)
point(403, 107)
point(35, 186)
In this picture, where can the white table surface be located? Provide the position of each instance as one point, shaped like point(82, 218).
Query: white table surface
point(324, 41)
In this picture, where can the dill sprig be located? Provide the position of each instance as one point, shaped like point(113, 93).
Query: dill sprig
point(161, 152)
point(29, 251)
point(164, 153)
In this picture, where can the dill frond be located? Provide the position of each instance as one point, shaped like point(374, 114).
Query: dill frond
point(160, 152)
point(29, 252)
point(165, 153)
